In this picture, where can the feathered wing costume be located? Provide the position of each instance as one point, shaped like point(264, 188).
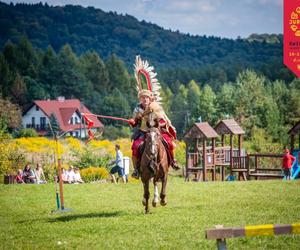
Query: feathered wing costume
point(142, 68)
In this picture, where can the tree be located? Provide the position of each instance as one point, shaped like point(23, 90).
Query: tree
point(5, 76)
point(54, 128)
point(95, 71)
point(179, 113)
point(71, 82)
point(49, 73)
point(10, 114)
point(116, 105)
point(119, 77)
point(249, 99)
point(225, 101)
point(19, 91)
point(208, 105)
point(193, 99)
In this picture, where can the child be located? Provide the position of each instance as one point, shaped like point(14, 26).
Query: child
point(287, 163)
point(19, 177)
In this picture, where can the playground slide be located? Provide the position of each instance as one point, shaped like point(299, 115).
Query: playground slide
point(296, 166)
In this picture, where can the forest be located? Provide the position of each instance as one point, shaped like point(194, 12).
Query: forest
point(106, 87)
point(212, 79)
point(176, 56)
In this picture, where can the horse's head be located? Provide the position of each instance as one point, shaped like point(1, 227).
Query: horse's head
point(153, 136)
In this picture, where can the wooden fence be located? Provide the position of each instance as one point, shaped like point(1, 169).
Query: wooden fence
point(220, 233)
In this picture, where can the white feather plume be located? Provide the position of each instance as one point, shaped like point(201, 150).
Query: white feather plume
point(143, 67)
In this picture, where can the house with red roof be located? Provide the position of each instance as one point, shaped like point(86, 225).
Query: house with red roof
point(67, 112)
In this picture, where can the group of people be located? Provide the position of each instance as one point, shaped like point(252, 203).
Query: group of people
point(28, 175)
point(71, 176)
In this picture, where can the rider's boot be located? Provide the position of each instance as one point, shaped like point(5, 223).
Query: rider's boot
point(174, 163)
point(136, 167)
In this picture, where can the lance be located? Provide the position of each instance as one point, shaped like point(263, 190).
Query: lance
point(107, 117)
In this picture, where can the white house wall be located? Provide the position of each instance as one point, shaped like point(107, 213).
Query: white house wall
point(37, 114)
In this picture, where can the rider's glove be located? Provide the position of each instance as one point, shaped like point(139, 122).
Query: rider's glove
point(132, 122)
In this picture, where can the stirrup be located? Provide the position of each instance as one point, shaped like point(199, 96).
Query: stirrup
point(135, 174)
point(175, 165)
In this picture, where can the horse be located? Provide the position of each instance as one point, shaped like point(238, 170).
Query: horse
point(154, 164)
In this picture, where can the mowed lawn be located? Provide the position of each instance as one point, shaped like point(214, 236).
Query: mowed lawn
point(107, 216)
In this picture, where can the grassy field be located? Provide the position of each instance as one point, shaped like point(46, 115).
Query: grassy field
point(107, 216)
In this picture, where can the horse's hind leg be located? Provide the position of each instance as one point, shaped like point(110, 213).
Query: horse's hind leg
point(146, 196)
point(163, 200)
point(155, 199)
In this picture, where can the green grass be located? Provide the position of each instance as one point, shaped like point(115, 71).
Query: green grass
point(107, 216)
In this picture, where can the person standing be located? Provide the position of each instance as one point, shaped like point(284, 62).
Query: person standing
point(287, 163)
point(119, 167)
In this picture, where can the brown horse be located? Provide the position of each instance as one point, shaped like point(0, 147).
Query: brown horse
point(154, 164)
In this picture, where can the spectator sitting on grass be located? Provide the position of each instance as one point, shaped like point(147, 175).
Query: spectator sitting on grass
point(64, 175)
point(28, 174)
point(77, 176)
point(70, 175)
point(19, 177)
point(39, 174)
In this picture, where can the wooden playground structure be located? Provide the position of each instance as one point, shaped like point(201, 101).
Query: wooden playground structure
point(204, 155)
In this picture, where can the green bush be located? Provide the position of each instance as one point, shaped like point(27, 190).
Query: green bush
point(89, 158)
point(113, 133)
point(94, 174)
point(26, 132)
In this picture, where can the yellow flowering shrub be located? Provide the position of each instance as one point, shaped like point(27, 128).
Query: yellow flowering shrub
point(74, 144)
point(94, 174)
point(180, 152)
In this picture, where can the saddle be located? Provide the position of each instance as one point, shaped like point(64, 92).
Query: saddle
point(141, 149)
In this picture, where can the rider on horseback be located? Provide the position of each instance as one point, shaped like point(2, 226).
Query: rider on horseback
point(149, 103)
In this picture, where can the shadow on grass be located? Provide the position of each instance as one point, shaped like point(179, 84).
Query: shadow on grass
point(86, 216)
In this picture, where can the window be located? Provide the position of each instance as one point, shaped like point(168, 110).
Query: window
point(76, 120)
point(71, 121)
point(33, 122)
point(37, 108)
point(43, 123)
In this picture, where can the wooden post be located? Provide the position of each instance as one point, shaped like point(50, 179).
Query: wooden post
point(213, 159)
point(292, 142)
point(240, 140)
point(231, 153)
point(186, 159)
point(256, 165)
point(61, 193)
point(223, 172)
point(197, 150)
point(204, 159)
point(248, 165)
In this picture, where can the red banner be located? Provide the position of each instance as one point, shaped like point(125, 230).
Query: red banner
point(291, 34)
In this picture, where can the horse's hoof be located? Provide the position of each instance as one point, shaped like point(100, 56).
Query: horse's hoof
point(163, 203)
point(147, 211)
point(154, 204)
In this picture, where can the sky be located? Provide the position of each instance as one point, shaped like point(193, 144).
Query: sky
point(222, 18)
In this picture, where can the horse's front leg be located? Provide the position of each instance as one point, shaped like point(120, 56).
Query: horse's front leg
point(146, 196)
point(163, 200)
point(155, 199)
